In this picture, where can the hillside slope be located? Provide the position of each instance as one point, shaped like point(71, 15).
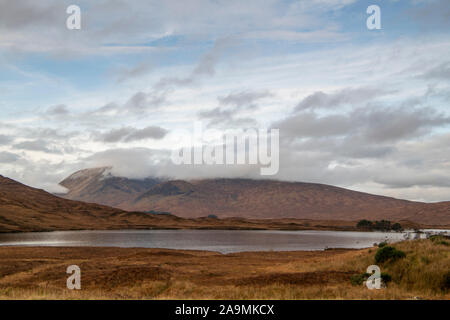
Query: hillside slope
point(23, 208)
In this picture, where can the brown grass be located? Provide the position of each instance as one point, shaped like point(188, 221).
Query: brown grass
point(117, 273)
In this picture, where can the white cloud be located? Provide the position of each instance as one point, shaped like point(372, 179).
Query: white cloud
point(371, 116)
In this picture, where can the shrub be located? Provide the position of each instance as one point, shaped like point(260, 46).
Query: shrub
point(382, 244)
point(386, 277)
point(388, 253)
point(212, 216)
point(445, 284)
point(397, 227)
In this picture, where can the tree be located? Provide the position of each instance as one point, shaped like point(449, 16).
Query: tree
point(382, 225)
point(364, 224)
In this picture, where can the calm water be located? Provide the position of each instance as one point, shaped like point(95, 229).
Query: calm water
point(224, 241)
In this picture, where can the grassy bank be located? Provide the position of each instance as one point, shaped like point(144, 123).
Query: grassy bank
point(117, 273)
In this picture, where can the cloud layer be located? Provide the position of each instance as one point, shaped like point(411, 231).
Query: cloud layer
point(355, 108)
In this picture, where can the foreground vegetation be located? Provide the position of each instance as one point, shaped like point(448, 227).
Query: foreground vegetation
point(421, 272)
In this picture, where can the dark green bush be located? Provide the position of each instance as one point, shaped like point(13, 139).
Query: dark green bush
point(388, 253)
point(397, 227)
point(365, 224)
point(445, 285)
point(382, 225)
point(386, 277)
point(382, 244)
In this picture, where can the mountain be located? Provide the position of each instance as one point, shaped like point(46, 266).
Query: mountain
point(23, 208)
point(98, 185)
point(260, 199)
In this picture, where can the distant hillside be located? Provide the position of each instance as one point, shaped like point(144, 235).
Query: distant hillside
point(275, 199)
point(23, 208)
point(257, 199)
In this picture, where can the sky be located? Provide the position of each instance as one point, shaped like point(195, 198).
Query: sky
point(357, 108)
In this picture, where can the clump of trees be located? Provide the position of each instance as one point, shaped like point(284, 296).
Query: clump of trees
point(383, 225)
point(397, 227)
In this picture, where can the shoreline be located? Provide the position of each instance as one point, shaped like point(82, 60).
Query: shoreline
point(176, 223)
